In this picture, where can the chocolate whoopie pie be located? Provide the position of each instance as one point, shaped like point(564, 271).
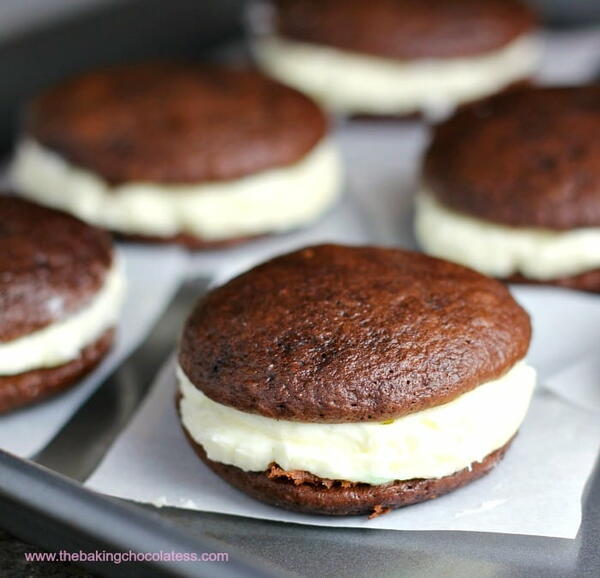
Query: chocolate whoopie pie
point(350, 380)
point(397, 57)
point(185, 153)
point(511, 187)
point(60, 291)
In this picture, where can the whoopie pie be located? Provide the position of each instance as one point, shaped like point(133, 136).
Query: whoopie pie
point(511, 187)
point(397, 57)
point(352, 380)
point(60, 291)
point(173, 152)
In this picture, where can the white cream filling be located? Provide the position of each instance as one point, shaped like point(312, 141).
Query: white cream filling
point(349, 82)
point(501, 251)
point(63, 341)
point(269, 201)
point(428, 444)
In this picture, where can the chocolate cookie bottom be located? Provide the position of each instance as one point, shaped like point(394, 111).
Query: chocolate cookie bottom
point(588, 281)
point(420, 116)
point(306, 493)
point(188, 241)
point(32, 386)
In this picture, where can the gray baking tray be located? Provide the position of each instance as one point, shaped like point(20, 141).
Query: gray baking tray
point(65, 515)
point(53, 509)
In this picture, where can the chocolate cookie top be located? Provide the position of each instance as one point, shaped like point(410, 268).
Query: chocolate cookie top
point(529, 158)
point(51, 264)
point(348, 334)
point(176, 123)
point(405, 29)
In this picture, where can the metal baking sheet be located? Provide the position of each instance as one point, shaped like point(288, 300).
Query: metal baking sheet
point(278, 548)
point(312, 551)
